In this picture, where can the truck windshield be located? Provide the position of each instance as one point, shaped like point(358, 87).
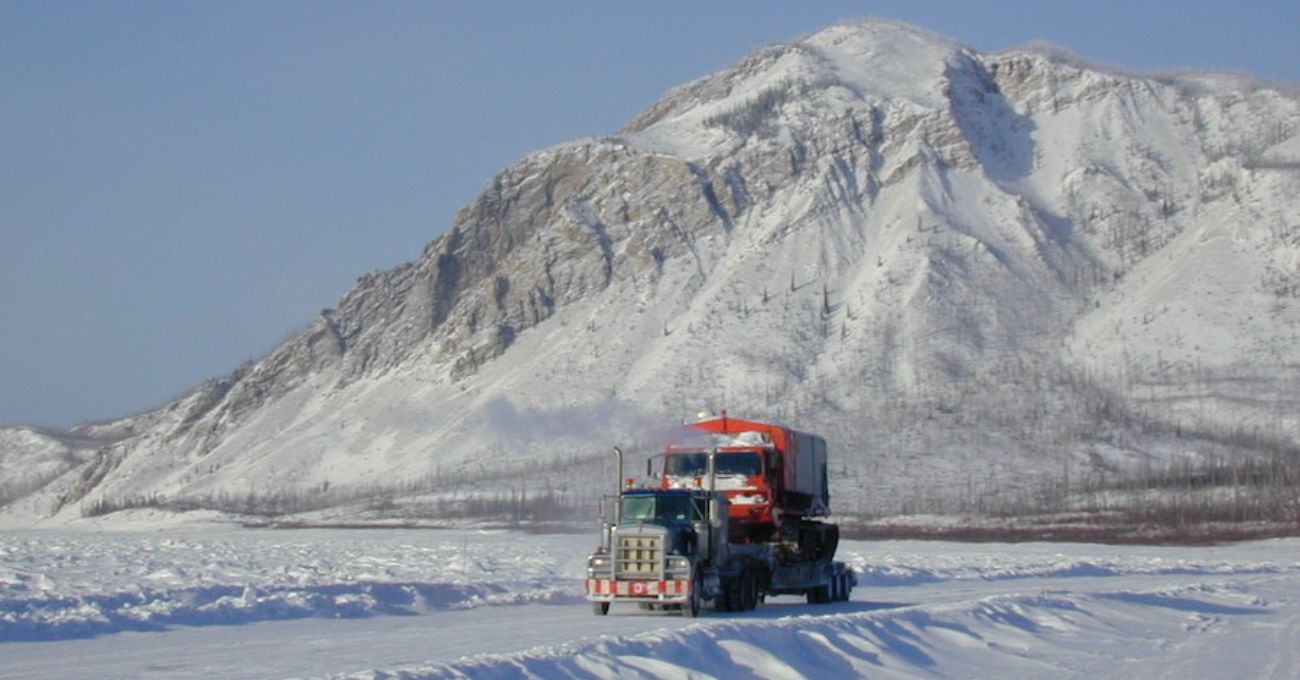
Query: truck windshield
point(656, 509)
point(747, 463)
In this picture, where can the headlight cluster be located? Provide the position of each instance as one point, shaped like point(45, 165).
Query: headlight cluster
point(679, 564)
point(598, 565)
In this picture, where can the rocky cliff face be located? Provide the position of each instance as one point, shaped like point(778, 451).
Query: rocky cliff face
point(967, 270)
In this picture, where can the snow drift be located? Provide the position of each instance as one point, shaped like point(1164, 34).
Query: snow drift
point(445, 604)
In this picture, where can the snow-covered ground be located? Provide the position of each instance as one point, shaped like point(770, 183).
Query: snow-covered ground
point(221, 602)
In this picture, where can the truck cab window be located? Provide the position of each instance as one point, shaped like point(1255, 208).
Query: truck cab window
point(687, 465)
point(638, 509)
point(745, 463)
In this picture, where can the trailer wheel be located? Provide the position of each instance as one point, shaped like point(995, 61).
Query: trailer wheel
point(600, 608)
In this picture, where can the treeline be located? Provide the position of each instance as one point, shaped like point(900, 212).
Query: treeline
point(507, 506)
point(1212, 490)
point(1175, 498)
point(1160, 447)
point(510, 493)
point(1214, 498)
point(514, 505)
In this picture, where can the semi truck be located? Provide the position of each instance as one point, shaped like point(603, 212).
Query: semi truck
point(735, 513)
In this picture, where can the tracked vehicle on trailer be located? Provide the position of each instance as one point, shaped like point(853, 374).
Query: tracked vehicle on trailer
point(735, 513)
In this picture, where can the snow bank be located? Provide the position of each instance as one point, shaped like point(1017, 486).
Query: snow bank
point(1003, 636)
point(59, 585)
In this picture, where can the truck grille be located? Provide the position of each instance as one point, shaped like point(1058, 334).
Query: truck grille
point(638, 557)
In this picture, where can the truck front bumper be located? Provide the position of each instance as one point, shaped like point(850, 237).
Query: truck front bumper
point(610, 590)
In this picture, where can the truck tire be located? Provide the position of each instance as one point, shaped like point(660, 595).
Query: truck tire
point(692, 607)
point(748, 591)
point(729, 598)
point(819, 595)
point(600, 608)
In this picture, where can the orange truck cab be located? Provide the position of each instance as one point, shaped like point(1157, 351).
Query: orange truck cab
point(768, 472)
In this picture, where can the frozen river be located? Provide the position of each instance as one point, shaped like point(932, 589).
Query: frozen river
point(227, 603)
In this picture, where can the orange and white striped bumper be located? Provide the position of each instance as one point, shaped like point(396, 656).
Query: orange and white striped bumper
point(608, 589)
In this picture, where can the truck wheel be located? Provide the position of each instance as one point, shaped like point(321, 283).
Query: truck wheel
point(748, 591)
point(819, 595)
point(692, 607)
point(729, 598)
point(600, 608)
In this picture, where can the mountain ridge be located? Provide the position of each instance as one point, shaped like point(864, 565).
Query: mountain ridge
point(872, 227)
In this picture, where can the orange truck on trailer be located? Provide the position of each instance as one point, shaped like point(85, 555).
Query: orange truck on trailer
point(734, 516)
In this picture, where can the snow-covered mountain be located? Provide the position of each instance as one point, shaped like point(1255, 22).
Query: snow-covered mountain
point(971, 272)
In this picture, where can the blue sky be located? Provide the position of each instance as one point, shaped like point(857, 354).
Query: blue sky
point(184, 184)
